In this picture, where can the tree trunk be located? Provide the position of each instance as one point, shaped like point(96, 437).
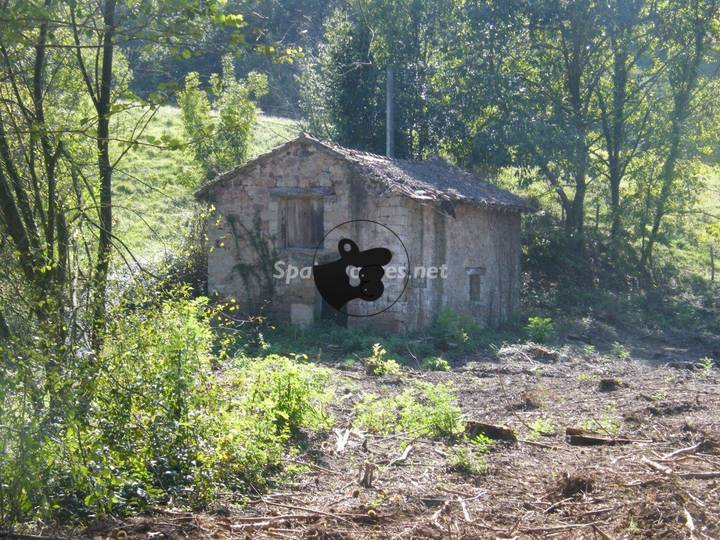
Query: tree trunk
point(105, 170)
point(667, 176)
point(4, 328)
point(686, 84)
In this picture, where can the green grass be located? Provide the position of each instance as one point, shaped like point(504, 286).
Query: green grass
point(153, 187)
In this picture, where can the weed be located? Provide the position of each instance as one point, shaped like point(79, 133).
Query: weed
point(589, 350)
point(540, 329)
point(620, 351)
point(292, 395)
point(466, 460)
point(588, 377)
point(541, 427)
point(435, 363)
point(606, 424)
point(633, 527)
point(453, 331)
point(377, 364)
point(482, 443)
point(423, 410)
point(659, 395)
point(706, 364)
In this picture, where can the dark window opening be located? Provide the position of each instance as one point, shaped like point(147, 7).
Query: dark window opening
point(474, 287)
point(302, 222)
point(475, 282)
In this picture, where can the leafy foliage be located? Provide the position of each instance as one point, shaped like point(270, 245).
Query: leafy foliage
point(620, 351)
point(221, 141)
point(467, 460)
point(540, 329)
point(423, 410)
point(378, 364)
point(453, 331)
point(435, 363)
point(155, 421)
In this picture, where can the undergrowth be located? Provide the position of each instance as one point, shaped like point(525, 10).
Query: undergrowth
point(156, 422)
point(451, 336)
point(378, 363)
point(423, 409)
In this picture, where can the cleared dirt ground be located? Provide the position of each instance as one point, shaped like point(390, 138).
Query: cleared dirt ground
point(655, 472)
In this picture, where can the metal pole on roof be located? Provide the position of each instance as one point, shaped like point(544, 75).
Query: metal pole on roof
point(390, 112)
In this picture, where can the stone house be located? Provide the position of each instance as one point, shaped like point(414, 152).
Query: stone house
point(454, 239)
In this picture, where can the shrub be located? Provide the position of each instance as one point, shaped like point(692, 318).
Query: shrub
point(541, 427)
point(482, 442)
point(620, 351)
point(292, 395)
point(377, 364)
point(706, 364)
point(269, 401)
point(540, 329)
point(149, 420)
point(467, 460)
point(608, 423)
point(423, 410)
point(127, 435)
point(453, 331)
point(435, 363)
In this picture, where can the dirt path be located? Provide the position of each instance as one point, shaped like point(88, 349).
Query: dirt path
point(662, 480)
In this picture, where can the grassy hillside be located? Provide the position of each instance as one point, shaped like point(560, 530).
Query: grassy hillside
point(154, 185)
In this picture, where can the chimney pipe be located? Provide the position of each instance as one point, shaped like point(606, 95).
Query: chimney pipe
point(390, 112)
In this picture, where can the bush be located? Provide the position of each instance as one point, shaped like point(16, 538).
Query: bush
point(435, 363)
point(267, 404)
point(706, 364)
point(540, 329)
point(292, 395)
point(148, 420)
point(467, 460)
point(377, 364)
point(620, 351)
point(424, 410)
point(453, 331)
point(126, 435)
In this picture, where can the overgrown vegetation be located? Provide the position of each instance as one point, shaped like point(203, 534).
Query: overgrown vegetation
point(435, 363)
point(540, 329)
point(378, 364)
point(468, 460)
point(422, 410)
point(122, 388)
point(155, 422)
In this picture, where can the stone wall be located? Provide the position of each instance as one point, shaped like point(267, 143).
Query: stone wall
point(246, 239)
point(475, 241)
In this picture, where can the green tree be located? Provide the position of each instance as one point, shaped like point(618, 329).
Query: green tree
point(688, 36)
point(222, 139)
point(63, 87)
point(341, 88)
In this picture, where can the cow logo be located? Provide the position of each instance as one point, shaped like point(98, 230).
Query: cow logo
point(349, 278)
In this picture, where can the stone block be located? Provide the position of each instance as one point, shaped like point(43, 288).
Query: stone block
point(302, 315)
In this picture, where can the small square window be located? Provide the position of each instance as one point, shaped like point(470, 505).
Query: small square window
point(302, 222)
